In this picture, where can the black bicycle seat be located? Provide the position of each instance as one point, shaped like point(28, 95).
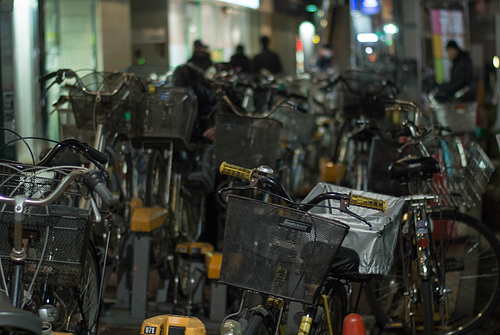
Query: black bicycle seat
point(411, 169)
point(16, 319)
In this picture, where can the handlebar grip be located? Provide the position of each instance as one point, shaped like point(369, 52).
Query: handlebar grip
point(236, 171)
point(107, 197)
point(48, 76)
point(362, 201)
point(95, 181)
point(97, 155)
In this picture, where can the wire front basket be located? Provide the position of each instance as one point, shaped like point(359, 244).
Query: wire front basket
point(246, 141)
point(465, 173)
point(277, 250)
point(55, 236)
point(170, 116)
point(117, 106)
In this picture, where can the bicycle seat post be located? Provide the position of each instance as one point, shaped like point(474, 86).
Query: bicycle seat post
point(18, 254)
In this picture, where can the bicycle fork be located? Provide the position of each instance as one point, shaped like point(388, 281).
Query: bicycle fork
point(423, 242)
point(18, 255)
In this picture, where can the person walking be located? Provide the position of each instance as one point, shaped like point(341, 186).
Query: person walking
point(239, 61)
point(200, 57)
point(267, 59)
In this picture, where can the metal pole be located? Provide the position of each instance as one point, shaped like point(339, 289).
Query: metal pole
point(421, 47)
point(2, 116)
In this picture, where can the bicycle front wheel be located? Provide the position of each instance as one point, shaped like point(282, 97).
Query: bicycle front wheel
point(466, 283)
point(337, 310)
point(257, 326)
point(83, 312)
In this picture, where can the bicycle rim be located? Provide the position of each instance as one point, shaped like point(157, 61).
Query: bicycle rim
point(156, 180)
point(467, 292)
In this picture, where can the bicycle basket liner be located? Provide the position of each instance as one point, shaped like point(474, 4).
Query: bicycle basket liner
point(460, 117)
point(246, 141)
point(170, 116)
point(55, 236)
point(374, 246)
point(277, 250)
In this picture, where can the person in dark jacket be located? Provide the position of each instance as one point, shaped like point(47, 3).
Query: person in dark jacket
point(267, 59)
point(201, 56)
point(239, 61)
point(461, 85)
point(190, 76)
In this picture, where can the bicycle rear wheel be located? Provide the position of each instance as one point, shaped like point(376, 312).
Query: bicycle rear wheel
point(156, 180)
point(466, 286)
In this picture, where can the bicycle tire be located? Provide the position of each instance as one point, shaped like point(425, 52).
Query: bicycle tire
point(427, 307)
point(184, 214)
point(257, 326)
point(120, 183)
point(156, 180)
point(337, 305)
point(469, 303)
point(87, 294)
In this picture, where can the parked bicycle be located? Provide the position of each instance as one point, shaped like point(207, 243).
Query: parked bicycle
point(285, 253)
point(48, 263)
point(445, 278)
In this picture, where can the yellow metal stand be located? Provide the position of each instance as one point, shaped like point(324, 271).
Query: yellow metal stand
point(173, 325)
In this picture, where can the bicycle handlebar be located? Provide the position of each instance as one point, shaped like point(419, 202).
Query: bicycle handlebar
point(253, 175)
point(91, 178)
point(63, 74)
point(86, 150)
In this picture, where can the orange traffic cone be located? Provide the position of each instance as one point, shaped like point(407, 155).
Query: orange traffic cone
point(353, 325)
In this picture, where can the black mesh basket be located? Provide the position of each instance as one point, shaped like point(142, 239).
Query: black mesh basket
point(246, 141)
point(277, 250)
point(55, 236)
point(118, 106)
point(170, 116)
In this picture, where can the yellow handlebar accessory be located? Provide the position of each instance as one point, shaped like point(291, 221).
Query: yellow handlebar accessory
point(359, 200)
point(236, 171)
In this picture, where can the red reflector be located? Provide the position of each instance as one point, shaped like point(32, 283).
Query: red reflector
point(423, 243)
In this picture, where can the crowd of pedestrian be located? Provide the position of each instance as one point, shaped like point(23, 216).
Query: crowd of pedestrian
point(239, 61)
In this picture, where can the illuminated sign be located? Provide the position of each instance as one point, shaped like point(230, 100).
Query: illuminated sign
point(245, 3)
point(367, 7)
point(370, 7)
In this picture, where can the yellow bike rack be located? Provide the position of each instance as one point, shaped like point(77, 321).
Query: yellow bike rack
point(173, 325)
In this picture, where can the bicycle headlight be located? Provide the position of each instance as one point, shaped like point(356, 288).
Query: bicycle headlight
point(230, 327)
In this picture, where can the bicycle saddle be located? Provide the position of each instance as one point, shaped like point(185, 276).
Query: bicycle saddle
point(16, 319)
point(408, 169)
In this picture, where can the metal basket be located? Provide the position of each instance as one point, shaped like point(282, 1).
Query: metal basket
point(69, 129)
point(246, 141)
point(170, 116)
point(297, 126)
point(118, 113)
point(460, 117)
point(55, 236)
point(277, 250)
point(465, 173)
